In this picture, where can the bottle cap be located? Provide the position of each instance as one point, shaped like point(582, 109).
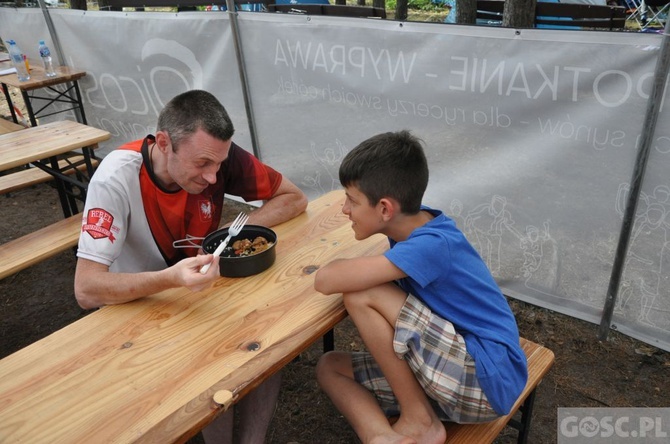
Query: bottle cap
point(41, 42)
point(11, 42)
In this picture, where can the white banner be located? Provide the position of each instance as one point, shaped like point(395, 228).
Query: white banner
point(531, 135)
point(136, 62)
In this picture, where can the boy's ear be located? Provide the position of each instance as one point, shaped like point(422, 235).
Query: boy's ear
point(387, 208)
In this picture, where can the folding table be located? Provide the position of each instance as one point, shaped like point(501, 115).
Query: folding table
point(42, 90)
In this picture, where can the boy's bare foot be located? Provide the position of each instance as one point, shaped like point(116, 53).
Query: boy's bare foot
point(392, 438)
point(433, 433)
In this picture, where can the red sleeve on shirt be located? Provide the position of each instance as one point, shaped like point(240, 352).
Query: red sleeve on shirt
point(247, 177)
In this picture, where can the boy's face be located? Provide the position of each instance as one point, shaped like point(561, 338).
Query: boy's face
point(365, 217)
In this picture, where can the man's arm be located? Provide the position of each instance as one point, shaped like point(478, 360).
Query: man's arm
point(286, 203)
point(357, 274)
point(95, 285)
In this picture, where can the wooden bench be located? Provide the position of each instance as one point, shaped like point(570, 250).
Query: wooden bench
point(39, 245)
point(9, 127)
point(32, 176)
point(540, 360)
point(43, 145)
point(560, 14)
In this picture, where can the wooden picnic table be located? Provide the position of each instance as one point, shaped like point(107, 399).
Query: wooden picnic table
point(149, 370)
point(41, 146)
point(63, 88)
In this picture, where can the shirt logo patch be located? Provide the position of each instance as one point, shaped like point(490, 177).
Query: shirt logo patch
point(99, 224)
point(205, 210)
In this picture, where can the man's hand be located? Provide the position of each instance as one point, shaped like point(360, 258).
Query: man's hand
point(95, 285)
point(187, 272)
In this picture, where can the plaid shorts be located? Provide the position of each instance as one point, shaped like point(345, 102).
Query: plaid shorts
point(438, 357)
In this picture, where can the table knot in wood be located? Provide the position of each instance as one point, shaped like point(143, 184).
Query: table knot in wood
point(310, 269)
point(253, 346)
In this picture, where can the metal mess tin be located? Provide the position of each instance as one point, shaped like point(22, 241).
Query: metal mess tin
point(242, 266)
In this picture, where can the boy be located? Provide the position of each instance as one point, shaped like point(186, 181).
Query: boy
point(443, 343)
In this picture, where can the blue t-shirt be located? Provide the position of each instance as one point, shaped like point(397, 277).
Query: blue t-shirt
point(449, 276)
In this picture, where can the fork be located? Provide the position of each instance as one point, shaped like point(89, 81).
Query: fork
point(234, 229)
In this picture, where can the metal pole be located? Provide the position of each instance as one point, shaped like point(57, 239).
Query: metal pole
point(649, 127)
point(232, 13)
point(52, 33)
point(79, 111)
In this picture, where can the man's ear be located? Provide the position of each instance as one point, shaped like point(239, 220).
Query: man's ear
point(163, 141)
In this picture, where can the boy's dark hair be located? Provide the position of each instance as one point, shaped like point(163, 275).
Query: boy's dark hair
point(191, 111)
point(388, 165)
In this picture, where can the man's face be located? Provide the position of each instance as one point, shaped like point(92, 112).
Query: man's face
point(194, 165)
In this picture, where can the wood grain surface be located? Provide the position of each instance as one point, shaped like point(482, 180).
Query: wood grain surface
point(9, 127)
point(37, 77)
point(39, 245)
point(147, 371)
point(43, 141)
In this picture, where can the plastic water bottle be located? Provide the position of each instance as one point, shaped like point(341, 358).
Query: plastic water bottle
point(45, 55)
point(17, 60)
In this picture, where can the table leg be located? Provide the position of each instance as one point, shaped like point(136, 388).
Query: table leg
point(29, 107)
point(8, 97)
point(88, 153)
point(67, 201)
point(82, 115)
point(71, 95)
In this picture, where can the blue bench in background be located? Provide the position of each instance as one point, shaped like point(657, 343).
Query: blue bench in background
point(552, 15)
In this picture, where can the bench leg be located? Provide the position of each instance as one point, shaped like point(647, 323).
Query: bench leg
point(329, 341)
point(526, 416)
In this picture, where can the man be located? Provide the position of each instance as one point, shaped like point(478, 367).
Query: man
point(151, 192)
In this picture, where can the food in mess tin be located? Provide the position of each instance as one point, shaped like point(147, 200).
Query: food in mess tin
point(247, 247)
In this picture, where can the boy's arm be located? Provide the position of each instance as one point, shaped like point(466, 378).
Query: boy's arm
point(361, 273)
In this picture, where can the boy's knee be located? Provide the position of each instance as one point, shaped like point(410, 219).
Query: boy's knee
point(357, 299)
point(331, 364)
point(378, 298)
point(324, 365)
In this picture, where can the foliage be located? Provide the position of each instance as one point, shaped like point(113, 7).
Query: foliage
point(422, 5)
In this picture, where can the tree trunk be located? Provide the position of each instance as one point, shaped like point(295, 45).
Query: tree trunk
point(466, 12)
point(401, 10)
point(78, 4)
point(379, 3)
point(519, 14)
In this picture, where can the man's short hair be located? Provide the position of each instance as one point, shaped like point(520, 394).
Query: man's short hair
point(193, 110)
point(388, 165)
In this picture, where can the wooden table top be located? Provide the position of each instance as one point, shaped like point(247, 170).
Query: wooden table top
point(41, 142)
point(148, 370)
point(37, 77)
